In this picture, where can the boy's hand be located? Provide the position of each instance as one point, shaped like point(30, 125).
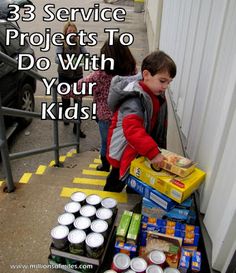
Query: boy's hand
point(158, 160)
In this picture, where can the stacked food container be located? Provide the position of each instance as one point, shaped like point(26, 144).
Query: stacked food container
point(83, 232)
point(164, 237)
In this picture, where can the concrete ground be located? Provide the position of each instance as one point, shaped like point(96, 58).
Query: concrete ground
point(28, 214)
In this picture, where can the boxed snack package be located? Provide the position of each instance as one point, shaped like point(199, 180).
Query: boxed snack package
point(123, 226)
point(185, 260)
point(176, 164)
point(134, 229)
point(130, 250)
point(179, 213)
point(190, 234)
point(196, 261)
point(175, 187)
point(150, 193)
point(171, 246)
point(151, 209)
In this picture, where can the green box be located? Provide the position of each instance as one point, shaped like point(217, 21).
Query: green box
point(123, 227)
point(134, 228)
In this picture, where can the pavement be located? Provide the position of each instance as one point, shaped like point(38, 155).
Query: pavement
point(29, 213)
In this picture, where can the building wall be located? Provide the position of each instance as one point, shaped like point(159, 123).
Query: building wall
point(200, 36)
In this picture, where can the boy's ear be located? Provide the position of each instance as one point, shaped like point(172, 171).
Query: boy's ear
point(146, 74)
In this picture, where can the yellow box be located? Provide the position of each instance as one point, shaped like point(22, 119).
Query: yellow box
point(177, 164)
point(176, 187)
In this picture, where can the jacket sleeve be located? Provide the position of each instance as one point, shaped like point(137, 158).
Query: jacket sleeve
point(134, 129)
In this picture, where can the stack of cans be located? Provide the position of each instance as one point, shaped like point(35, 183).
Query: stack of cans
point(123, 263)
point(83, 227)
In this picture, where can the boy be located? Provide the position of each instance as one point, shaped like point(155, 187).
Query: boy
point(139, 123)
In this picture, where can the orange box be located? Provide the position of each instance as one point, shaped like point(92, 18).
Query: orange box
point(177, 164)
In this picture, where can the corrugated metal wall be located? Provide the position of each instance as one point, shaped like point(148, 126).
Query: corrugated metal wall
point(200, 35)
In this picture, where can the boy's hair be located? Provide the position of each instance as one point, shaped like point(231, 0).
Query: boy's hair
point(124, 61)
point(159, 61)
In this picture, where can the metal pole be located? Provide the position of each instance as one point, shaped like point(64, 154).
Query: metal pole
point(55, 128)
point(5, 154)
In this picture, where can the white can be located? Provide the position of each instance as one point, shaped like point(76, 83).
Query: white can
point(99, 226)
point(94, 200)
point(157, 257)
point(109, 203)
point(59, 236)
point(138, 265)
point(88, 211)
point(76, 239)
point(94, 245)
point(66, 219)
point(72, 207)
point(153, 268)
point(82, 223)
point(79, 197)
point(104, 214)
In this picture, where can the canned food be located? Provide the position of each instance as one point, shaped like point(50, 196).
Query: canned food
point(105, 214)
point(94, 200)
point(157, 257)
point(153, 268)
point(88, 211)
point(79, 197)
point(76, 239)
point(82, 223)
point(59, 236)
point(110, 271)
point(129, 271)
point(66, 219)
point(138, 265)
point(109, 203)
point(94, 245)
point(73, 207)
point(171, 270)
point(120, 262)
point(100, 226)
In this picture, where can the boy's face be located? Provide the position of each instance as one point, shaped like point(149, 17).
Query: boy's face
point(157, 83)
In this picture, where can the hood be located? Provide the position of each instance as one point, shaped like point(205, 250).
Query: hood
point(123, 87)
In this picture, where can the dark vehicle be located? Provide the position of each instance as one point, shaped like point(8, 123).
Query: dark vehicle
point(16, 87)
point(4, 10)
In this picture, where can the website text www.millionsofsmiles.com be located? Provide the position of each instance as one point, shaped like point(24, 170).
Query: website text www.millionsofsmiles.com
point(50, 266)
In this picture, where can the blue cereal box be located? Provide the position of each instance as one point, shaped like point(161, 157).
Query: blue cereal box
point(151, 209)
point(150, 193)
point(185, 260)
point(196, 261)
point(129, 249)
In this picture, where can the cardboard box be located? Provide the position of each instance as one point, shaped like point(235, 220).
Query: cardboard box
point(196, 261)
point(151, 209)
point(177, 164)
point(185, 260)
point(190, 234)
point(174, 187)
point(130, 250)
point(123, 227)
point(171, 246)
point(134, 229)
point(150, 193)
